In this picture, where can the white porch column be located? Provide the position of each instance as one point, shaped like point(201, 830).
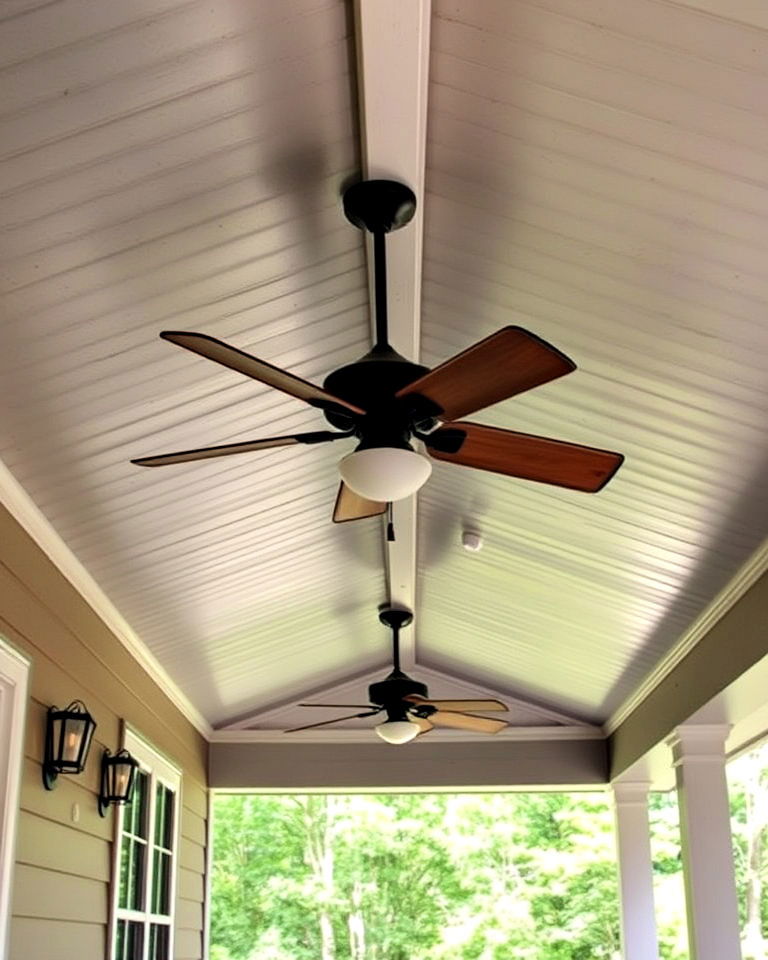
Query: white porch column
point(633, 847)
point(698, 752)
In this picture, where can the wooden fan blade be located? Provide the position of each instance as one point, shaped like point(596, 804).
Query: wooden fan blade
point(339, 706)
point(325, 723)
point(227, 449)
point(531, 458)
point(509, 362)
point(223, 353)
point(351, 506)
point(460, 705)
point(422, 723)
point(467, 721)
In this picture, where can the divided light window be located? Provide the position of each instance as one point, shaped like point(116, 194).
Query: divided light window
point(144, 871)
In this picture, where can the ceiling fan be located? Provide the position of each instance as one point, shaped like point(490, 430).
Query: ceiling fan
point(385, 400)
point(410, 710)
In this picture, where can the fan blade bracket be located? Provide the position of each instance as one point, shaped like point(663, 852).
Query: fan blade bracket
point(420, 410)
point(445, 440)
point(343, 418)
point(322, 436)
point(422, 710)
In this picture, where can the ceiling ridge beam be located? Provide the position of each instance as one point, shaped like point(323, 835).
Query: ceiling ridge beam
point(392, 42)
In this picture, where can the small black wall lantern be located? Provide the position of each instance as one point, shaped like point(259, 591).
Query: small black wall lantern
point(68, 736)
point(118, 773)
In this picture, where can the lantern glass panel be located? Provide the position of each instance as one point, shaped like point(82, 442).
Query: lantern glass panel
point(73, 732)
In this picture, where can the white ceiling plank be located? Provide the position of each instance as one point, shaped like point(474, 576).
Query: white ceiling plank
point(393, 73)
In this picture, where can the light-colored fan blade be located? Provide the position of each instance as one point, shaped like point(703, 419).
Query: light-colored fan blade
point(228, 449)
point(460, 705)
point(351, 506)
point(422, 723)
point(340, 706)
point(466, 721)
point(241, 362)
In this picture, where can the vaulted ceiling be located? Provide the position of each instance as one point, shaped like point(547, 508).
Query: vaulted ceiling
point(594, 172)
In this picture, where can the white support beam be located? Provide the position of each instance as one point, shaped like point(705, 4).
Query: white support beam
point(393, 72)
point(698, 753)
point(633, 847)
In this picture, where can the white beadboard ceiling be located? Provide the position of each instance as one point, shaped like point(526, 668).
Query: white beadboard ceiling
point(595, 172)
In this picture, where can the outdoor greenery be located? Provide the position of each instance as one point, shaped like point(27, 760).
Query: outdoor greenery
point(454, 877)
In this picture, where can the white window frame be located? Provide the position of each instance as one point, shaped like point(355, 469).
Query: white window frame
point(160, 770)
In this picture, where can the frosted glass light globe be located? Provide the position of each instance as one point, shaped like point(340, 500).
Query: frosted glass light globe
point(397, 731)
point(385, 473)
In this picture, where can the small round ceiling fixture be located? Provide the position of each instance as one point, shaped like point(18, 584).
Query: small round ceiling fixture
point(471, 540)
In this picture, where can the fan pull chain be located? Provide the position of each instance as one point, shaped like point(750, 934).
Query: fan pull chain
point(390, 524)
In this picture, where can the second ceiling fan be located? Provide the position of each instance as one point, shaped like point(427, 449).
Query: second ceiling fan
point(385, 401)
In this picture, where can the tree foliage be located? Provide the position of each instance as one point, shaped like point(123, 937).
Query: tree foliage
point(461, 877)
point(457, 877)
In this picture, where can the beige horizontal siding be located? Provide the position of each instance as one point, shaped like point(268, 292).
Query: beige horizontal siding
point(61, 895)
point(53, 846)
point(34, 937)
point(190, 885)
point(39, 892)
point(188, 945)
point(189, 914)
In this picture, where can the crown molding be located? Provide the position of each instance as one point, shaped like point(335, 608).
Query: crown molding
point(746, 577)
point(23, 509)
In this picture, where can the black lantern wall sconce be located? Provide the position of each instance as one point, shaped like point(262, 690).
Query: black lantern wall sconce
point(118, 773)
point(68, 735)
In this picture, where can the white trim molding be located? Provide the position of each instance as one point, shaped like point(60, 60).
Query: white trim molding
point(733, 591)
point(699, 743)
point(515, 734)
point(23, 509)
point(14, 684)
